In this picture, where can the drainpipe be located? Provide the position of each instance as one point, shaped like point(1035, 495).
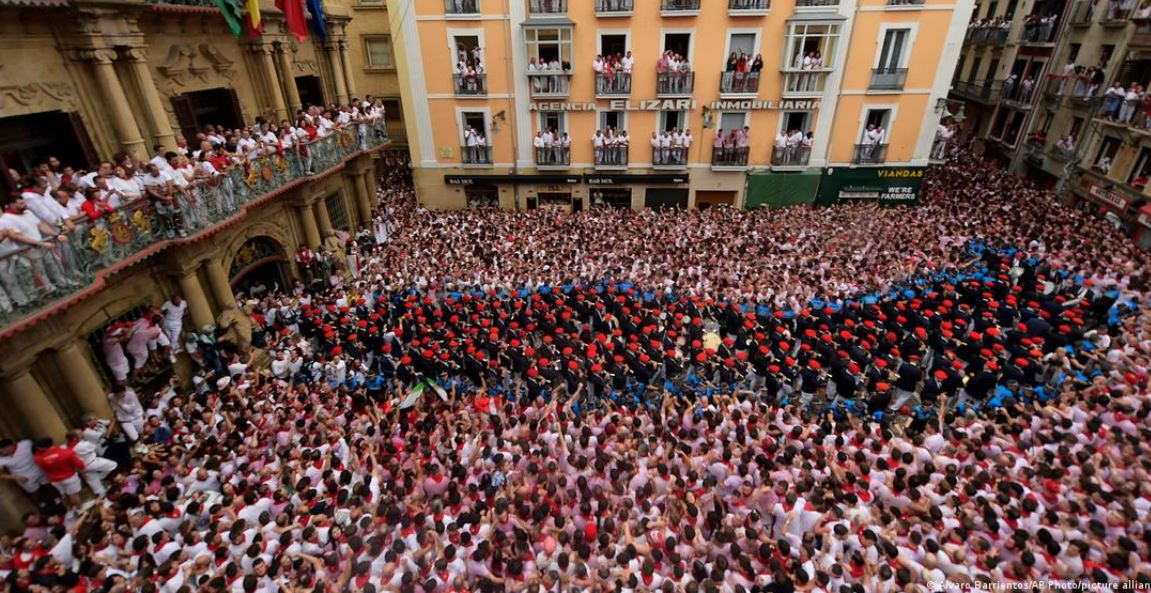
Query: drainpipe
point(509, 73)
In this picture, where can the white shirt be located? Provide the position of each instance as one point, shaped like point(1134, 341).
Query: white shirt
point(173, 313)
point(21, 463)
point(27, 224)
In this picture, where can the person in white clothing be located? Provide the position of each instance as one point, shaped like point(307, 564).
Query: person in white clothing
point(174, 310)
point(17, 465)
point(128, 411)
point(96, 468)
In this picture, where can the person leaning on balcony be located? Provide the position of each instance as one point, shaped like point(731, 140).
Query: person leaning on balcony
point(1131, 102)
point(655, 153)
point(541, 150)
point(626, 63)
point(1113, 100)
point(622, 144)
point(160, 189)
point(781, 146)
point(598, 142)
point(23, 229)
point(743, 144)
point(565, 147)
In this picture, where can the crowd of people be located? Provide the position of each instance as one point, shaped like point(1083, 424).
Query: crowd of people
point(59, 221)
point(613, 73)
point(829, 400)
point(673, 74)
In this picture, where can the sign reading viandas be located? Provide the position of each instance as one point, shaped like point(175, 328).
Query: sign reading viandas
point(893, 186)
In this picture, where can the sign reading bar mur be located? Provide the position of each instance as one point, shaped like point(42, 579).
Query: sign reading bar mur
point(678, 105)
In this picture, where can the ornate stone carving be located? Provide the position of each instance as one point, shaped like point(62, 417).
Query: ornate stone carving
point(38, 94)
point(306, 66)
point(186, 65)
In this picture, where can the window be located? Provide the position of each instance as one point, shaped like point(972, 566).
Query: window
point(612, 45)
point(379, 51)
point(1076, 126)
point(338, 212)
point(991, 8)
point(1105, 53)
point(467, 50)
point(392, 111)
point(550, 45)
point(1107, 150)
point(672, 120)
point(878, 119)
point(552, 120)
point(1048, 117)
point(894, 49)
point(811, 40)
point(1073, 51)
point(974, 73)
point(1142, 169)
point(992, 71)
point(614, 120)
point(1011, 6)
point(742, 43)
point(732, 121)
point(959, 67)
point(796, 120)
point(679, 43)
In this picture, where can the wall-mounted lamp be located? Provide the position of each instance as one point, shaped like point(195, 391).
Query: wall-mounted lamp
point(501, 116)
point(708, 120)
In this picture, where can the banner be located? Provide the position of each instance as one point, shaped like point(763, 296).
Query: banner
point(889, 186)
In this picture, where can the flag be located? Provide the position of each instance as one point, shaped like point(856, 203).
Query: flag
point(414, 395)
point(255, 23)
point(319, 22)
point(231, 11)
point(294, 15)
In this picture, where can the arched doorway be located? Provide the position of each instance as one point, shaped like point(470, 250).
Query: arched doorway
point(260, 266)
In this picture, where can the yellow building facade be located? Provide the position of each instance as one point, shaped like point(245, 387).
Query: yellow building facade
point(470, 73)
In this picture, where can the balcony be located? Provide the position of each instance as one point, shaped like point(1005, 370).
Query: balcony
point(869, 154)
point(1040, 32)
point(739, 83)
point(468, 8)
point(610, 157)
point(614, 85)
point(1142, 35)
point(674, 84)
point(471, 85)
point(817, 4)
point(982, 92)
point(987, 36)
point(36, 279)
point(1118, 111)
point(790, 156)
point(729, 156)
point(669, 157)
point(1118, 14)
point(476, 155)
point(1054, 87)
point(613, 8)
point(1083, 13)
point(679, 7)
point(1060, 154)
point(748, 7)
point(550, 84)
point(1019, 92)
point(553, 157)
point(800, 83)
point(546, 7)
point(888, 79)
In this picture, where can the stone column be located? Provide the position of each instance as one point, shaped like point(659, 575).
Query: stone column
point(116, 101)
point(311, 230)
point(346, 68)
point(322, 218)
point(363, 206)
point(86, 387)
point(332, 48)
point(283, 52)
point(218, 281)
point(369, 180)
point(154, 112)
point(268, 65)
point(30, 408)
point(198, 307)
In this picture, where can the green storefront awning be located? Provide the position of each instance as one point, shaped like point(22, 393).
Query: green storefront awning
point(776, 189)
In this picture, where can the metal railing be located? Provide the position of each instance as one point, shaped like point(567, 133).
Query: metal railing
point(476, 155)
point(801, 82)
point(616, 83)
point(679, 5)
point(987, 36)
point(674, 83)
point(188, 3)
point(548, 6)
point(614, 6)
point(739, 82)
point(462, 6)
point(1118, 13)
point(888, 79)
point(669, 156)
point(1061, 154)
point(987, 92)
point(1118, 110)
point(550, 83)
point(906, 2)
point(790, 156)
point(1038, 32)
point(610, 156)
point(1019, 91)
point(817, 3)
point(749, 5)
point(32, 278)
point(729, 156)
point(471, 85)
point(553, 156)
point(869, 154)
